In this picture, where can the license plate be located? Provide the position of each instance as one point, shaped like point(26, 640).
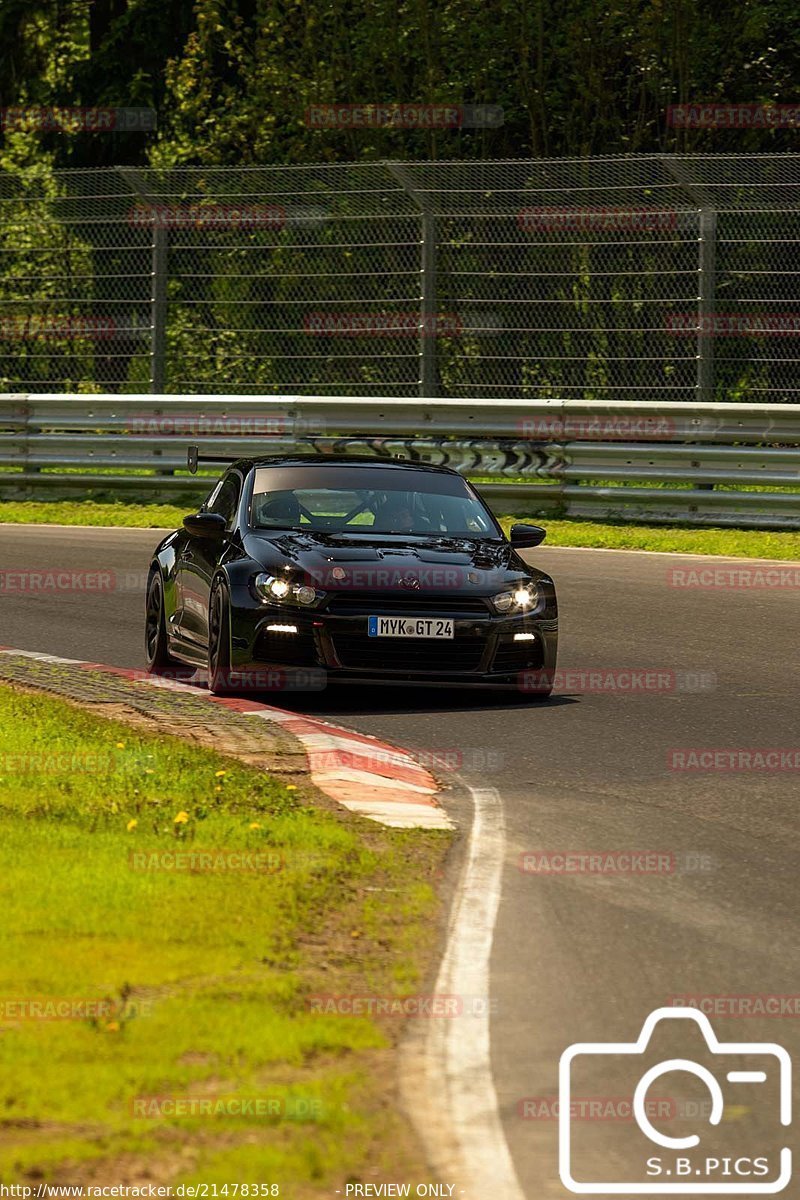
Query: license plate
point(410, 627)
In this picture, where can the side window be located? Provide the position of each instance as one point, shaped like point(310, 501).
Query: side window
point(225, 498)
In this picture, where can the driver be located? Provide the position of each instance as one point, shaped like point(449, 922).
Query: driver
point(277, 508)
point(395, 515)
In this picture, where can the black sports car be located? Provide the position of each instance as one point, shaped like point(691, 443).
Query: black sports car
point(299, 571)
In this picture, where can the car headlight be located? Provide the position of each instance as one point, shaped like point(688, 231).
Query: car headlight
point(517, 599)
point(271, 587)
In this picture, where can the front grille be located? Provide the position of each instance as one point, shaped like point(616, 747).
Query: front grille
point(430, 655)
point(416, 603)
point(289, 649)
point(517, 656)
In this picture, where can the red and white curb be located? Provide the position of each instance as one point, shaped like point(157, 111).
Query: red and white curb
point(373, 778)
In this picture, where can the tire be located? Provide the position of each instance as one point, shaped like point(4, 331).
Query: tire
point(219, 639)
point(156, 643)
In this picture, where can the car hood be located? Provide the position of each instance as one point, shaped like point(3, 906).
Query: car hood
point(446, 562)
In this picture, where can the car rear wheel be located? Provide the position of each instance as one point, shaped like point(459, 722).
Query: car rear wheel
point(219, 639)
point(156, 642)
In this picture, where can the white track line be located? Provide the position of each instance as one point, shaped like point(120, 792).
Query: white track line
point(457, 1114)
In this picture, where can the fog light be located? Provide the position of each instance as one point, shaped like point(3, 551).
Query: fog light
point(524, 637)
point(305, 594)
point(281, 628)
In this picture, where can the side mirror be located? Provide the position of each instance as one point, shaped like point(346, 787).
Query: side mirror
point(205, 524)
point(527, 535)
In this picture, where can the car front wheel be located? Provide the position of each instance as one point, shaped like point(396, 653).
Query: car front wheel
point(219, 639)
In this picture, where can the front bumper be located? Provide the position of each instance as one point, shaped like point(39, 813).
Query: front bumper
point(482, 653)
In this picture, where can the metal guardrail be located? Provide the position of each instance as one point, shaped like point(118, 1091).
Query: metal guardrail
point(627, 461)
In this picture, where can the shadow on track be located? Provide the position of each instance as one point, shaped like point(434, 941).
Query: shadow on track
point(363, 700)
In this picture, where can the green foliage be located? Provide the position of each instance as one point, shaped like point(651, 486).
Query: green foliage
point(232, 79)
point(232, 82)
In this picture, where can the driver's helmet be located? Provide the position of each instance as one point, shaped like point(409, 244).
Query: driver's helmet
point(277, 506)
point(395, 512)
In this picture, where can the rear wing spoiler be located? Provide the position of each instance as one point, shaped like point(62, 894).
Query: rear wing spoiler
point(193, 457)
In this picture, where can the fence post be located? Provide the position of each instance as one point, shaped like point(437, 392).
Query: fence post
point(705, 305)
point(681, 168)
point(158, 309)
point(429, 381)
point(28, 490)
point(429, 374)
point(159, 248)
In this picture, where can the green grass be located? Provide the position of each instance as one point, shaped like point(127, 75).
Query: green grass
point(742, 543)
point(205, 977)
point(732, 543)
point(90, 512)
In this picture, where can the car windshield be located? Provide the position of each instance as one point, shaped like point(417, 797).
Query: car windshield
point(366, 499)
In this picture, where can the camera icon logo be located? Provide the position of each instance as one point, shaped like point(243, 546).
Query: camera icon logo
point(683, 1165)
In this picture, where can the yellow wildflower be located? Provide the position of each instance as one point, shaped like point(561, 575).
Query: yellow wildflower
point(181, 818)
point(132, 825)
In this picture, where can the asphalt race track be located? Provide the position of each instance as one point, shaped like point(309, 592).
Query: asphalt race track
point(584, 955)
